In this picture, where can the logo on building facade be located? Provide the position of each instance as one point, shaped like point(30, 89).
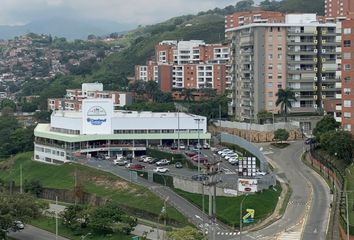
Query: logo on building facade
point(95, 115)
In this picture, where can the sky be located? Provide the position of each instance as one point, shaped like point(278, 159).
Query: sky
point(19, 12)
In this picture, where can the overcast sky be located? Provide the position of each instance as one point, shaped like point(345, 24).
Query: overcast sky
point(17, 12)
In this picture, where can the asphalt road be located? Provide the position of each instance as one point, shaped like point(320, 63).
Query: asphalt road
point(33, 233)
point(309, 192)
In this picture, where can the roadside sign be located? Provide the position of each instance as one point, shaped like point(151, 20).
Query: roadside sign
point(249, 217)
point(136, 238)
point(248, 220)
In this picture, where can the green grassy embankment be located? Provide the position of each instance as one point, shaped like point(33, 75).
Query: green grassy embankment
point(228, 208)
point(97, 182)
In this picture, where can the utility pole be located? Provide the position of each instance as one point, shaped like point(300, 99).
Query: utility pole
point(21, 186)
point(346, 203)
point(213, 170)
point(178, 142)
point(56, 218)
point(199, 146)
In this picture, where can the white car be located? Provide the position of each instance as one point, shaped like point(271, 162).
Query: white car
point(233, 161)
point(231, 156)
point(227, 153)
point(222, 151)
point(161, 170)
point(163, 162)
point(147, 159)
point(120, 162)
point(182, 146)
point(258, 173)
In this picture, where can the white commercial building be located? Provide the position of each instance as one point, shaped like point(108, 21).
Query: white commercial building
point(99, 129)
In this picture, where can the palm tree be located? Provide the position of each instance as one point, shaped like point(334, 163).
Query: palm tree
point(285, 97)
point(188, 94)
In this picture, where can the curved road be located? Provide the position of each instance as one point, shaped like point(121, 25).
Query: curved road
point(309, 203)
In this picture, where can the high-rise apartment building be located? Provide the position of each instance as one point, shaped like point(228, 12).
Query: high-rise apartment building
point(342, 13)
point(299, 53)
point(338, 8)
point(187, 64)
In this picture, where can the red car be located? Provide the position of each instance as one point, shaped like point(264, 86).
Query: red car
point(135, 166)
point(202, 159)
point(191, 154)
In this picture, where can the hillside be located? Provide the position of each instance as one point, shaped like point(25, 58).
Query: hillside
point(139, 43)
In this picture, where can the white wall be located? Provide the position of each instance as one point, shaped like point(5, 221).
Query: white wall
point(97, 116)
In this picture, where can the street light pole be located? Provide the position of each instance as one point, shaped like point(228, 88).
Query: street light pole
point(346, 203)
point(198, 121)
point(241, 215)
point(178, 141)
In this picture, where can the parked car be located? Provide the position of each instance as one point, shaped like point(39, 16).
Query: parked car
point(174, 146)
point(206, 146)
point(161, 170)
point(182, 146)
point(227, 153)
point(200, 177)
point(153, 160)
point(228, 156)
point(202, 159)
point(310, 141)
point(120, 162)
point(259, 173)
point(135, 166)
point(163, 162)
point(223, 150)
point(190, 153)
point(178, 165)
point(147, 159)
point(18, 225)
point(233, 161)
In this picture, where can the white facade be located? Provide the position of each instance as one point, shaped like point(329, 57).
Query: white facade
point(98, 129)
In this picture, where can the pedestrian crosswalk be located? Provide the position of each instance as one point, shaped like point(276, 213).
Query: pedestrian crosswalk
point(290, 236)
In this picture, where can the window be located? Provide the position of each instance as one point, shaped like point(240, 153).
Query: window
point(347, 79)
point(270, 67)
point(270, 104)
point(279, 67)
point(347, 43)
point(347, 31)
point(270, 94)
point(347, 115)
point(270, 76)
point(270, 56)
point(347, 67)
point(347, 127)
point(270, 84)
point(279, 56)
point(280, 85)
point(347, 103)
point(347, 55)
point(347, 91)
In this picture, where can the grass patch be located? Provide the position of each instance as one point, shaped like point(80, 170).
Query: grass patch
point(97, 182)
point(349, 186)
point(48, 224)
point(171, 156)
point(280, 145)
point(228, 208)
point(286, 200)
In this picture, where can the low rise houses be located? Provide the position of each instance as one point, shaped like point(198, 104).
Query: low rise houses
point(73, 99)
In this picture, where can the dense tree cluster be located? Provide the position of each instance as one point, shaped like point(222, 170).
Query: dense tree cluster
point(109, 218)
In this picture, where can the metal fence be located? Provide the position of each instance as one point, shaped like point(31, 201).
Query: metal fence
point(232, 139)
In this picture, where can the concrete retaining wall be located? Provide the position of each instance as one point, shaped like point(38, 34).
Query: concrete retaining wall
point(197, 187)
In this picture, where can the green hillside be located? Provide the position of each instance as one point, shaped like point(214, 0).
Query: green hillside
point(139, 44)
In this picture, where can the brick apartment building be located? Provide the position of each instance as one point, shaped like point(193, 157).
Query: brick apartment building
point(271, 51)
point(72, 101)
point(187, 64)
point(342, 13)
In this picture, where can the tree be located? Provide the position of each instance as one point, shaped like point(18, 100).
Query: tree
point(110, 218)
point(34, 187)
point(186, 233)
point(21, 207)
point(8, 103)
point(285, 97)
point(75, 217)
point(281, 135)
point(339, 144)
point(326, 124)
point(263, 116)
point(188, 94)
point(245, 5)
point(270, 5)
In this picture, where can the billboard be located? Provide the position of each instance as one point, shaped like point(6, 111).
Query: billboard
point(247, 166)
point(97, 116)
point(247, 185)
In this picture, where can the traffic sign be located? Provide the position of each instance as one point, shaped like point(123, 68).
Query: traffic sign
point(248, 220)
